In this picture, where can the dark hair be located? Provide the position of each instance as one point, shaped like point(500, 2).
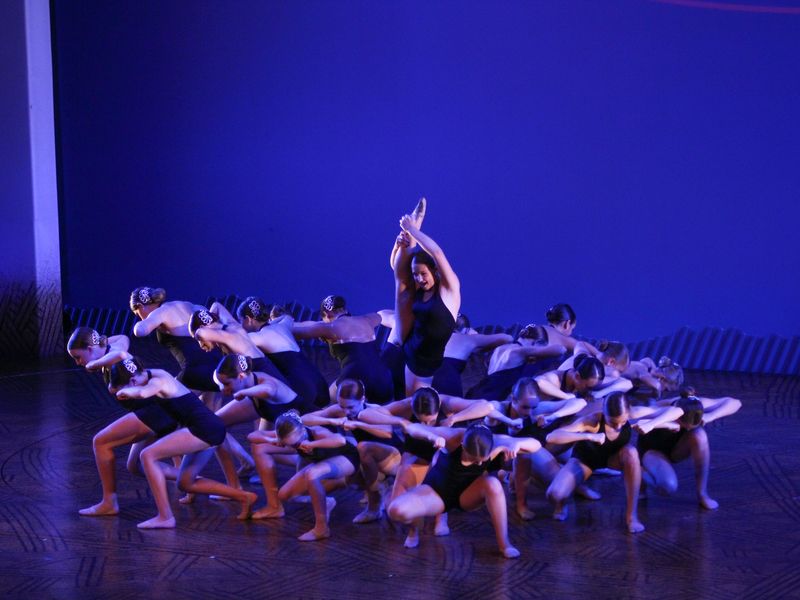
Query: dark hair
point(558, 313)
point(201, 318)
point(233, 364)
point(121, 372)
point(616, 403)
point(537, 333)
point(692, 411)
point(462, 322)
point(253, 307)
point(588, 367)
point(524, 385)
point(423, 258)
point(276, 311)
point(332, 303)
point(478, 440)
point(671, 372)
point(688, 391)
point(145, 296)
point(426, 401)
point(351, 389)
point(288, 423)
point(617, 351)
point(85, 337)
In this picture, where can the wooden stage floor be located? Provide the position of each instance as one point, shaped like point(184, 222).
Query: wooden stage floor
point(749, 548)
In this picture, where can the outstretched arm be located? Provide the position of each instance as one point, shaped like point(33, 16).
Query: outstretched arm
point(462, 409)
point(549, 384)
point(225, 317)
point(581, 430)
point(714, 409)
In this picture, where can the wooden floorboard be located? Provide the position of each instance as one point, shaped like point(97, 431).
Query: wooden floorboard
point(748, 549)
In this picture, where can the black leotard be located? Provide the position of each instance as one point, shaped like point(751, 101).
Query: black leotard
point(189, 411)
point(303, 377)
point(660, 439)
point(349, 451)
point(433, 326)
point(422, 448)
point(394, 359)
point(498, 385)
point(264, 365)
point(360, 360)
point(595, 456)
point(150, 412)
point(447, 379)
point(271, 411)
point(197, 366)
point(365, 436)
point(449, 478)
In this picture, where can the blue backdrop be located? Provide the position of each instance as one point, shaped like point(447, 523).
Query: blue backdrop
point(638, 160)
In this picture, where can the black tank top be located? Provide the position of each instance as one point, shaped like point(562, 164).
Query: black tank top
point(433, 326)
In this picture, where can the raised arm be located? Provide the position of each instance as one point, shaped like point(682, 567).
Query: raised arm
point(449, 279)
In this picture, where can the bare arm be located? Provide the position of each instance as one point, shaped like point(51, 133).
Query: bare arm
point(108, 360)
point(329, 416)
point(718, 408)
point(581, 430)
point(449, 279)
point(225, 317)
point(552, 410)
point(538, 351)
point(394, 413)
point(549, 384)
point(461, 409)
point(313, 329)
point(266, 390)
point(381, 431)
point(649, 418)
point(324, 439)
point(148, 325)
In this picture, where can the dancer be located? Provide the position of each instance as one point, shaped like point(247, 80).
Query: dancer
point(531, 354)
point(273, 335)
point(459, 478)
point(463, 342)
point(428, 298)
point(144, 422)
point(201, 430)
point(615, 359)
point(663, 447)
point(426, 406)
point(351, 340)
point(526, 415)
point(586, 374)
point(604, 440)
point(328, 461)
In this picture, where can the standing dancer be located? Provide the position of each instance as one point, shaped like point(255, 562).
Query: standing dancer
point(351, 341)
point(428, 298)
point(145, 421)
point(463, 342)
point(274, 337)
point(201, 430)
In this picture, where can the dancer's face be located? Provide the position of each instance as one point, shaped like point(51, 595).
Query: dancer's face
point(82, 356)
point(472, 459)
point(618, 422)
point(423, 278)
point(584, 385)
point(351, 407)
point(294, 439)
point(525, 404)
point(230, 385)
point(202, 338)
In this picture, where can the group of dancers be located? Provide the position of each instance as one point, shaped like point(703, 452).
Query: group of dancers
point(551, 411)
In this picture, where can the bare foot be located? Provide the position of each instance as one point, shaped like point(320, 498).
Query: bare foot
point(635, 526)
point(187, 499)
point(157, 523)
point(525, 513)
point(584, 491)
point(412, 539)
point(101, 509)
point(560, 512)
point(440, 526)
point(418, 214)
point(510, 552)
point(247, 506)
point(312, 535)
point(367, 516)
point(269, 512)
point(708, 502)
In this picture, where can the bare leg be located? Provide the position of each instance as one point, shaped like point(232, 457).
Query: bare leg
point(627, 460)
point(376, 458)
point(412, 507)
point(125, 430)
point(334, 470)
point(414, 382)
point(190, 481)
point(658, 473)
point(488, 490)
point(522, 473)
point(698, 447)
point(564, 483)
point(265, 466)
